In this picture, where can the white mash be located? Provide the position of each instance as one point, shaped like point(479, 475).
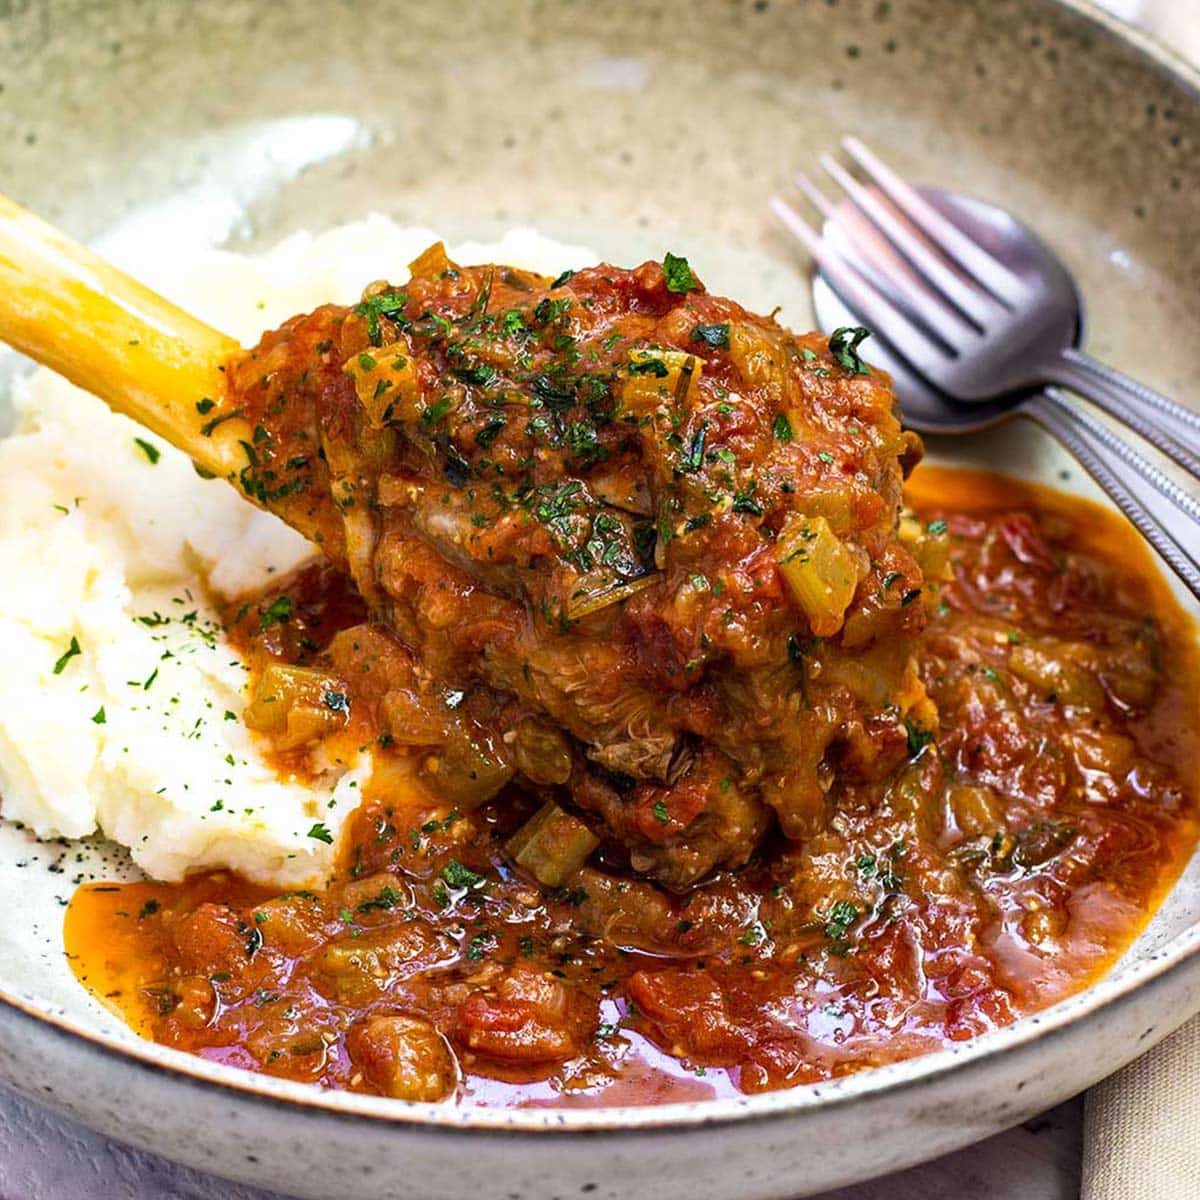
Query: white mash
point(122, 703)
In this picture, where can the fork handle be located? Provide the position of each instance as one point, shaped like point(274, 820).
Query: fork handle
point(1153, 509)
point(1170, 427)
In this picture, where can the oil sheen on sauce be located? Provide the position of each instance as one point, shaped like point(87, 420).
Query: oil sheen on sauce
point(1008, 865)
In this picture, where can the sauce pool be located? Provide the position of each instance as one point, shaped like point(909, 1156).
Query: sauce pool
point(1013, 858)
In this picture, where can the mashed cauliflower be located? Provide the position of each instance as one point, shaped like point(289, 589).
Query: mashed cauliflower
point(122, 701)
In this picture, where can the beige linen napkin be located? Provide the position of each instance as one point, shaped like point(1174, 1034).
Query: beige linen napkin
point(1141, 1131)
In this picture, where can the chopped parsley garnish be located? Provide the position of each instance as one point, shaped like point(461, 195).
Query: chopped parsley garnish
point(100, 717)
point(387, 899)
point(278, 612)
point(918, 738)
point(841, 916)
point(678, 274)
point(436, 411)
point(387, 304)
point(207, 428)
point(488, 434)
point(843, 345)
point(337, 702)
point(462, 878)
point(649, 366)
point(150, 450)
point(478, 945)
point(717, 336)
point(71, 651)
point(744, 502)
point(783, 428)
point(320, 833)
point(694, 459)
point(204, 405)
point(661, 813)
point(936, 527)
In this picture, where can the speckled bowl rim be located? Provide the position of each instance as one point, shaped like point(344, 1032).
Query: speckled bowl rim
point(679, 1117)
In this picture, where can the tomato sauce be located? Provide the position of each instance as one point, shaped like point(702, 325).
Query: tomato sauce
point(1014, 854)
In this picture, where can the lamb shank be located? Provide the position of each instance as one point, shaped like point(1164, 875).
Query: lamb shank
point(619, 540)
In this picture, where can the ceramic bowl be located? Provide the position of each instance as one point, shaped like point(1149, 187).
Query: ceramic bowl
point(632, 127)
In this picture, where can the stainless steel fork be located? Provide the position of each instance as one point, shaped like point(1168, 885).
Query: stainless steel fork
point(985, 319)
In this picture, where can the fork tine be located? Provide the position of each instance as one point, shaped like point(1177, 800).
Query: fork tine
point(978, 306)
point(948, 238)
point(874, 257)
point(921, 351)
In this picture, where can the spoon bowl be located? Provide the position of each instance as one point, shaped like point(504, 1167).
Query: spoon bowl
point(926, 407)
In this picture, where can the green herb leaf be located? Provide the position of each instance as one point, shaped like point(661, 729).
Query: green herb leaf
point(783, 428)
point(387, 899)
point(71, 651)
point(278, 612)
point(462, 878)
point(843, 345)
point(478, 945)
point(150, 450)
point(841, 916)
point(320, 833)
point(744, 501)
point(649, 366)
point(918, 738)
point(678, 274)
point(207, 428)
point(717, 336)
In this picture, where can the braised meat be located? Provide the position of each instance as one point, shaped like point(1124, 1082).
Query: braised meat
point(617, 538)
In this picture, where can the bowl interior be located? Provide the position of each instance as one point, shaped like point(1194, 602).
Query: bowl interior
point(632, 128)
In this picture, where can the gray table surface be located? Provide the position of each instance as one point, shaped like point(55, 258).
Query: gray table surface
point(43, 1157)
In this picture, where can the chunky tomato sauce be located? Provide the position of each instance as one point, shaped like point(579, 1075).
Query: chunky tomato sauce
point(1022, 840)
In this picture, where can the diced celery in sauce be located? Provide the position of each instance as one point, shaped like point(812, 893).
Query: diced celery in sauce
point(385, 380)
point(929, 545)
point(819, 571)
point(295, 705)
point(657, 376)
point(761, 360)
point(552, 845)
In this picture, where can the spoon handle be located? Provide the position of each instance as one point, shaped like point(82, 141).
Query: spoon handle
point(1144, 494)
point(1170, 427)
